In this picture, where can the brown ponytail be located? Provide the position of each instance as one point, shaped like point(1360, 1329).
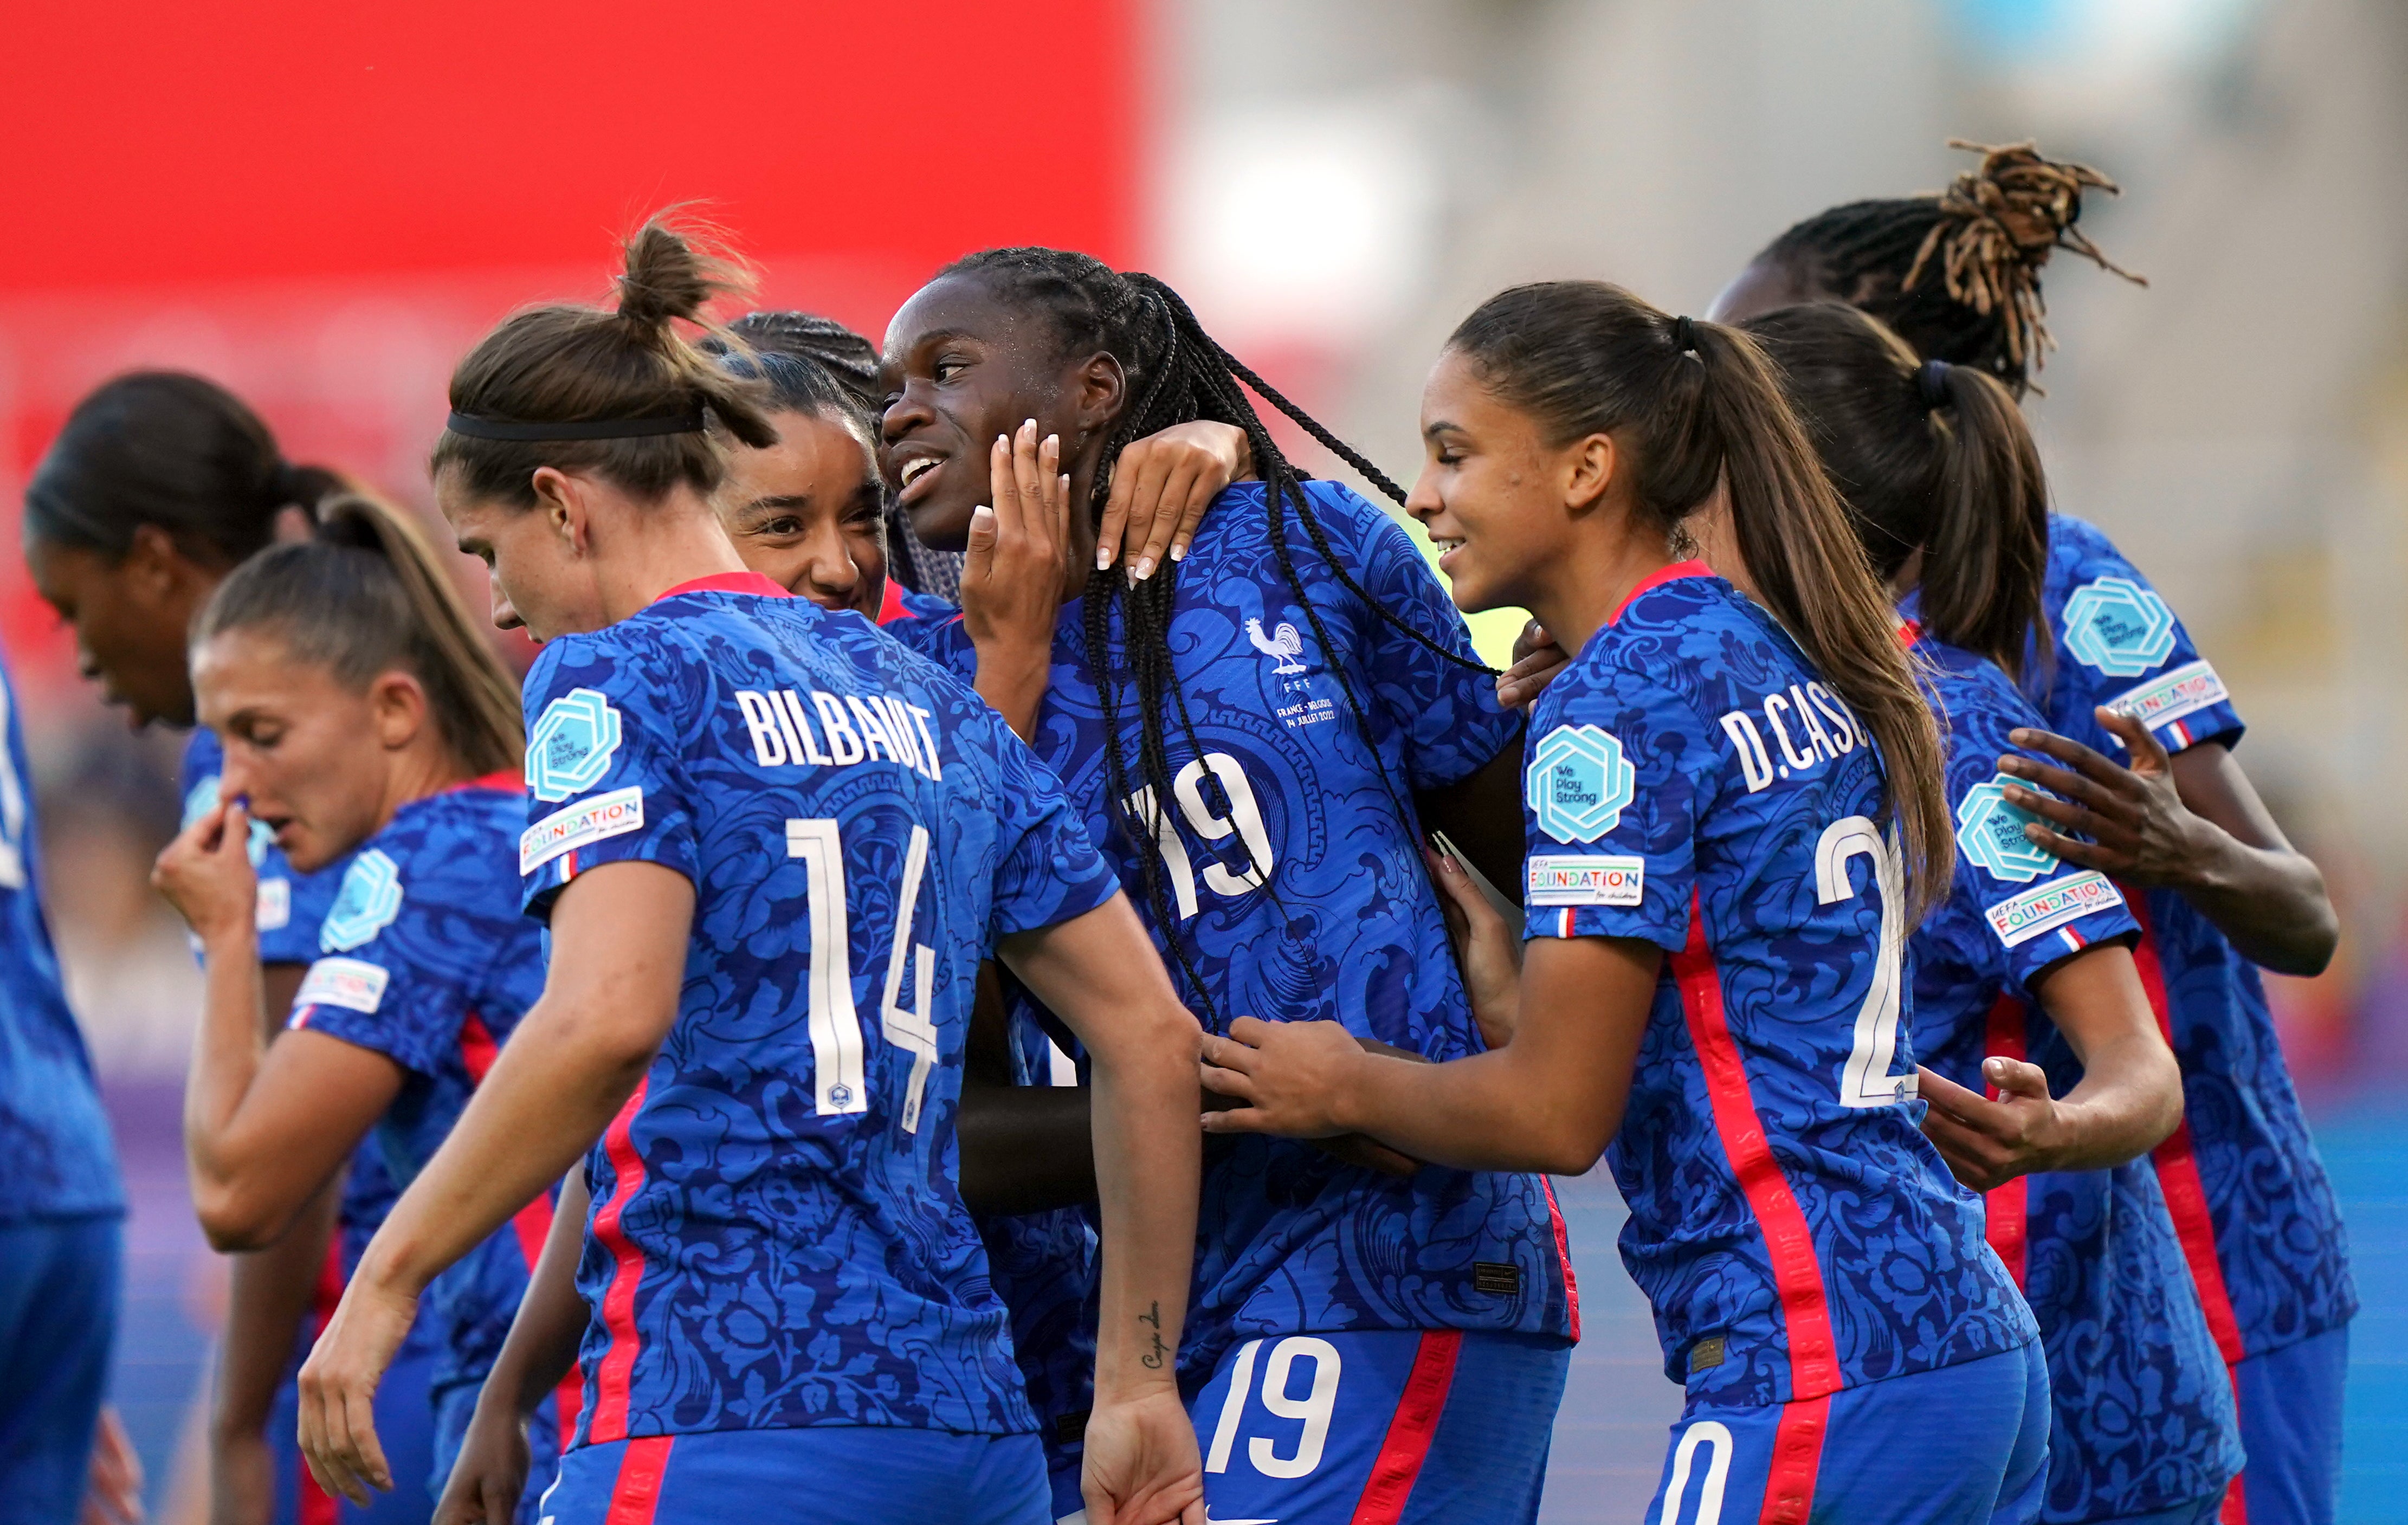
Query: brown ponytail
point(367, 595)
point(568, 363)
point(1583, 357)
point(1928, 457)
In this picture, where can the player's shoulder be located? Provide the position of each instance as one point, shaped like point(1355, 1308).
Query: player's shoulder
point(1690, 634)
point(2081, 553)
point(444, 856)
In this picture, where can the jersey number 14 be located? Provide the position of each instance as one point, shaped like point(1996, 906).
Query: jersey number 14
point(837, 1057)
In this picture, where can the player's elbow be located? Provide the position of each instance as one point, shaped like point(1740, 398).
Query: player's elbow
point(2160, 1082)
point(236, 1220)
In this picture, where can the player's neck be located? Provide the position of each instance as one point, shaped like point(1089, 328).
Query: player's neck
point(1578, 591)
point(677, 542)
point(423, 767)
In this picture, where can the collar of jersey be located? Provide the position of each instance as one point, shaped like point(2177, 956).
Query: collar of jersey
point(1691, 568)
point(728, 582)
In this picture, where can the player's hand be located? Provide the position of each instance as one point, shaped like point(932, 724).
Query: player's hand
point(1989, 1143)
point(1489, 953)
point(1536, 660)
point(1012, 569)
point(1141, 1466)
point(1292, 1077)
point(338, 1384)
point(113, 1485)
point(2139, 831)
point(242, 1479)
point(206, 873)
point(492, 1469)
point(1161, 485)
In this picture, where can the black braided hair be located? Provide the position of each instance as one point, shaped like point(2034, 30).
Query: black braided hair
point(1175, 374)
point(1955, 273)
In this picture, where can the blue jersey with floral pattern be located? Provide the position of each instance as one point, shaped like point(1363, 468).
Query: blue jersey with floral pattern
point(2241, 1175)
point(62, 1161)
point(425, 958)
point(290, 905)
point(1289, 866)
point(2142, 1407)
point(778, 1237)
point(1693, 782)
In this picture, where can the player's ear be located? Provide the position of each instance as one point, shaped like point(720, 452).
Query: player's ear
point(1102, 392)
point(563, 502)
point(397, 707)
point(1589, 466)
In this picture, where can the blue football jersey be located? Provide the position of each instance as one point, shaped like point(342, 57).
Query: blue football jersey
point(2258, 1219)
point(1691, 782)
point(424, 957)
point(62, 1161)
point(1289, 862)
point(2143, 1416)
point(778, 1237)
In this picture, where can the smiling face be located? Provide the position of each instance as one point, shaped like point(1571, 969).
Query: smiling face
point(309, 756)
point(961, 367)
point(805, 513)
point(1492, 492)
point(130, 615)
point(539, 581)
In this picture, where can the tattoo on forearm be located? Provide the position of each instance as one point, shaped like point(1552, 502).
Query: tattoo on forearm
point(1151, 1361)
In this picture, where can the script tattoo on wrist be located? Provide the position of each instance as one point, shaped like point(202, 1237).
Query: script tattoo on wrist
point(1151, 1361)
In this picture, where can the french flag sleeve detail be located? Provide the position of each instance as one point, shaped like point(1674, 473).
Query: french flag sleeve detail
point(1048, 869)
point(605, 779)
point(2016, 907)
point(1619, 772)
point(2119, 645)
point(1446, 711)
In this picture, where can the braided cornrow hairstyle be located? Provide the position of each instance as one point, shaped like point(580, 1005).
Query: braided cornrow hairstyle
point(1175, 374)
point(1956, 273)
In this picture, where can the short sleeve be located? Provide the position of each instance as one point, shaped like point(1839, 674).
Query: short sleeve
point(1445, 709)
point(1618, 778)
point(1048, 870)
point(379, 982)
point(2119, 645)
point(605, 779)
point(2016, 907)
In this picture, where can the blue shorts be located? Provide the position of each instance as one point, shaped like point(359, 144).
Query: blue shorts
point(456, 1405)
point(832, 1471)
point(58, 1319)
point(2290, 1426)
point(1382, 1427)
point(1965, 1445)
point(405, 1424)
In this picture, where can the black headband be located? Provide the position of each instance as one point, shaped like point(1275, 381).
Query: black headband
point(687, 422)
point(1931, 381)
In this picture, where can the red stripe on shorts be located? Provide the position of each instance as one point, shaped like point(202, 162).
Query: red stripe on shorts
point(314, 1506)
point(2004, 1208)
point(637, 1491)
point(1797, 1461)
point(1813, 1358)
point(618, 1299)
point(1407, 1445)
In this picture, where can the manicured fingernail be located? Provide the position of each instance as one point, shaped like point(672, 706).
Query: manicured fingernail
point(1179, 551)
point(1103, 557)
point(1145, 567)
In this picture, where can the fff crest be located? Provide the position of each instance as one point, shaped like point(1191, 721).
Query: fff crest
point(570, 748)
point(2119, 627)
point(365, 905)
point(1579, 783)
point(1991, 832)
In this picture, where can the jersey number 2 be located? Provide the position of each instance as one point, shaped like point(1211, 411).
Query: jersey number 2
point(1866, 1080)
point(837, 1057)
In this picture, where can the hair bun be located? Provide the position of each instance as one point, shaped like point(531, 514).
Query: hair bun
point(670, 275)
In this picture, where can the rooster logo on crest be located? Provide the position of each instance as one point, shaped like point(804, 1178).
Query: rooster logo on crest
point(1283, 644)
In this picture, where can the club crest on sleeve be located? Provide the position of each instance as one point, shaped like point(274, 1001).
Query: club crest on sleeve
point(1991, 832)
point(1578, 783)
point(571, 746)
point(369, 899)
point(2119, 626)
